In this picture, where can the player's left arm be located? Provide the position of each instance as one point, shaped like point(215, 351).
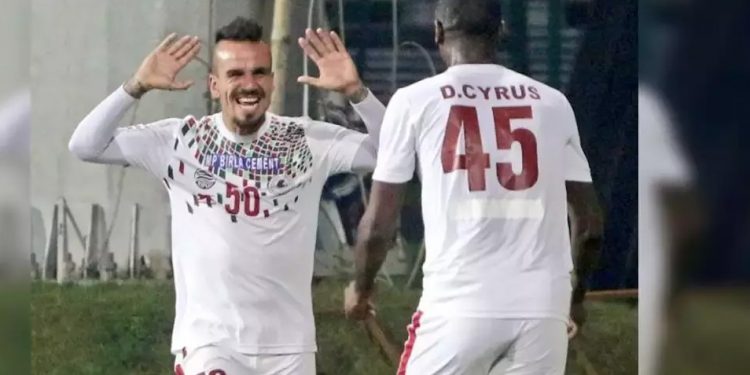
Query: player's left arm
point(587, 229)
point(352, 151)
point(585, 214)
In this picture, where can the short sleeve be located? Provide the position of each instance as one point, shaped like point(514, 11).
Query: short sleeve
point(576, 164)
point(397, 146)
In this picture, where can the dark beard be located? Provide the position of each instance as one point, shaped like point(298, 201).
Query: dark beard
point(250, 126)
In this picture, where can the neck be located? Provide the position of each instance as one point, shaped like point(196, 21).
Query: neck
point(233, 127)
point(462, 52)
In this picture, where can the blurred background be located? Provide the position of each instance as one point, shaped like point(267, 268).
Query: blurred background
point(14, 188)
point(693, 176)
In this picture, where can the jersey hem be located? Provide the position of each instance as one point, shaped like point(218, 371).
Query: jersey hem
point(579, 178)
point(493, 315)
point(390, 179)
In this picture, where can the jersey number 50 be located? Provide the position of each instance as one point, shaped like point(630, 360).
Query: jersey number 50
point(475, 161)
point(249, 195)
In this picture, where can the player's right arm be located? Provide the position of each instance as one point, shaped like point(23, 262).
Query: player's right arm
point(97, 138)
point(585, 214)
point(396, 162)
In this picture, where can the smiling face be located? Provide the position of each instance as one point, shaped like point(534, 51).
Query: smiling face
point(242, 80)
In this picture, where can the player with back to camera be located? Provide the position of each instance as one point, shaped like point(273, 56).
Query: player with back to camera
point(500, 161)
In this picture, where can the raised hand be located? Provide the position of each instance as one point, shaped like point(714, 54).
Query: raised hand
point(337, 70)
point(160, 68)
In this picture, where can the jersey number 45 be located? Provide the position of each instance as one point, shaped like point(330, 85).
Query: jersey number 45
point(475, 161)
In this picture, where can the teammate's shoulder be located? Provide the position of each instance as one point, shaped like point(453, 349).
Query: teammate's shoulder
point(418, 89)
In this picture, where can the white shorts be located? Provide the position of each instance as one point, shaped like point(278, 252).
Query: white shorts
point(479, 346)
point(213, 360)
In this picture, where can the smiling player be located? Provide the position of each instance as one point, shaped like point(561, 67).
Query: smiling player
point(244, 186)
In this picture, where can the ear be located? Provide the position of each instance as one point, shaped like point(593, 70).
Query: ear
point(273, 82)
point(439, 33)
point(213, 86)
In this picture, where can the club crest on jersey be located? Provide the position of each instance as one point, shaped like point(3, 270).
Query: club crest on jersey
point(203, 179)
point(256, 164)
point(280, 184)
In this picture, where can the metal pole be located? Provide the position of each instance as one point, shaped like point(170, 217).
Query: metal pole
point(342, 32)
point(305, 65)
point(62, 238)
point(394, 67)
point(280, 52)
point(554, 24)
point(133, 268)
point(49, 270)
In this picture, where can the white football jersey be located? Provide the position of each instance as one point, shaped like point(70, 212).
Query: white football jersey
point(494, 149)
point(244, 219)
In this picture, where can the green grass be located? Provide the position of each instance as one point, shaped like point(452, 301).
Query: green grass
point(15, 341)
point(101, 329)
point(125, 329)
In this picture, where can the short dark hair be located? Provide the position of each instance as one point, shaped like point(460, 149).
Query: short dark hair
point(241, 29)
point(470, 17)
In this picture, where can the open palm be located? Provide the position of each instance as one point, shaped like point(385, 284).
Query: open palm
point(160, 68)
point(337, 69)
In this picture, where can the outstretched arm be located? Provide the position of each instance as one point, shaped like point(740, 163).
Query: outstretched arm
point(338, 73)
point(97, 137)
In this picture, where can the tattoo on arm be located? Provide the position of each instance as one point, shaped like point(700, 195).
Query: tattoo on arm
point(358, 95)
point(134, 88)
point(587, 227)
point(376, 232)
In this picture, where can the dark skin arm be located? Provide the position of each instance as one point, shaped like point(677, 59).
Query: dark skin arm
point(586, 230)
point(378, 226)
point(376, 231)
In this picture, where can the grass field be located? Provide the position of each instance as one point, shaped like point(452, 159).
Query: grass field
point(124, 329)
